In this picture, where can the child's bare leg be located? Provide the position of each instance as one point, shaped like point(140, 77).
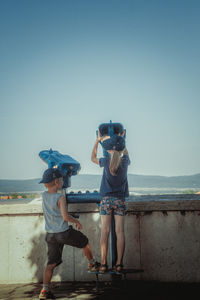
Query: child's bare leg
point(87, 251)
point(119, 229)
point(48, 273)
point(105, 230)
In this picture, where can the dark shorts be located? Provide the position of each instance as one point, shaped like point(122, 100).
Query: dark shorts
point(109, 204)
point(56, 242)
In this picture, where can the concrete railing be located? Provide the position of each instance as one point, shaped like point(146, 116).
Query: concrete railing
point(162, 237)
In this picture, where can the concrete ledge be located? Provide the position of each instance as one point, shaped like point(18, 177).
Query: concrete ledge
point(182, 205)
point(162, 238)
point(133, 203)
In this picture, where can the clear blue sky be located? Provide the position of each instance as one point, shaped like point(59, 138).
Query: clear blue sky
point(67, 66)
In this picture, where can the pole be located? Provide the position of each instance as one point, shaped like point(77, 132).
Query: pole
point(113, 241)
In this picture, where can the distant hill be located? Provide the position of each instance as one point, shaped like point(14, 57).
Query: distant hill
point(84, 182)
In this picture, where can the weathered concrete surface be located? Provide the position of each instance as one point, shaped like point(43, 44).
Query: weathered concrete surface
point(162, 237)
point(170, 246)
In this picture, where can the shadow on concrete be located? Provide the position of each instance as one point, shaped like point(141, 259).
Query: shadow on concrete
point(108, 290)
point(37, 256)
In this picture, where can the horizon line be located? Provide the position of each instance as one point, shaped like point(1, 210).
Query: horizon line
point(90, 174)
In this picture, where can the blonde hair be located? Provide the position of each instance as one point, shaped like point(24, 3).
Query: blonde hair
point(115, 161)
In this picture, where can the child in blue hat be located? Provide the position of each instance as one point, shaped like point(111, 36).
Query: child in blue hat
point(59, 233)
point(113, 189)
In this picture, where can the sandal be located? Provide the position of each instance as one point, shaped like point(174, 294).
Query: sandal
point(103, 268)
point(94, 267)
point(118, 268)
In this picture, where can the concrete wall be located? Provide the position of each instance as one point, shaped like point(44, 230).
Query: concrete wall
point(162, 237)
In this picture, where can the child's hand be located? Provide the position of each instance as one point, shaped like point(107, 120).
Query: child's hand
point(78, 225)
point(123, 133)
point(102, 138)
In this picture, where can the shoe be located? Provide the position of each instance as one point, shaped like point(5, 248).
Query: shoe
point(118, 268)
point(46, 295)
point(94, 267)
point(103, 268)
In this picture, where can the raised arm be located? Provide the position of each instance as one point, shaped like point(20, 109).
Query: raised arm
point(94, 158)
point(125, 152)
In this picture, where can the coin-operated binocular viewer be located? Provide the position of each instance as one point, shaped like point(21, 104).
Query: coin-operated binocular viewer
point(65, 164)
point(68, 167)
point(107, 130)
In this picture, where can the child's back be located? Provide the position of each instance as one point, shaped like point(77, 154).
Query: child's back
point(54, 221)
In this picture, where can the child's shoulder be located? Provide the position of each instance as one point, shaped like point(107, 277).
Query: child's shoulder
point(51, 195)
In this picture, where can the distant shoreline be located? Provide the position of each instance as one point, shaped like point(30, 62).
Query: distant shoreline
point(26, 196)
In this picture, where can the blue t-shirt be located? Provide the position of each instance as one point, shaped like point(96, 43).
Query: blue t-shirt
point(116, 186)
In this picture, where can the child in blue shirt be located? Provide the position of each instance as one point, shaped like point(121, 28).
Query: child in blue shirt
point(113, 189)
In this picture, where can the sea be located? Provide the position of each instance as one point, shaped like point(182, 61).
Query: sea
point(133, 191)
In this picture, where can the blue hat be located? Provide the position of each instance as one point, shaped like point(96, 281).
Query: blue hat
point(50, 174)
point(115, 142)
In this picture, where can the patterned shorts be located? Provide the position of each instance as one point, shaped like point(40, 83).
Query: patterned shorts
point(109, 204)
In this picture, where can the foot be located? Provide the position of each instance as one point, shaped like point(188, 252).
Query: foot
point(46, 295)
point(103, 268)
point(94, 267)
point(118, 268)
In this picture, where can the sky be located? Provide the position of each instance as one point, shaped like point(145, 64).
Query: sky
point(68, 66)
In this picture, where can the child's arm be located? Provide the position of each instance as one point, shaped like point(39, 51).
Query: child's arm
point(94, 158)
point(125, 151)
point(65, 215)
